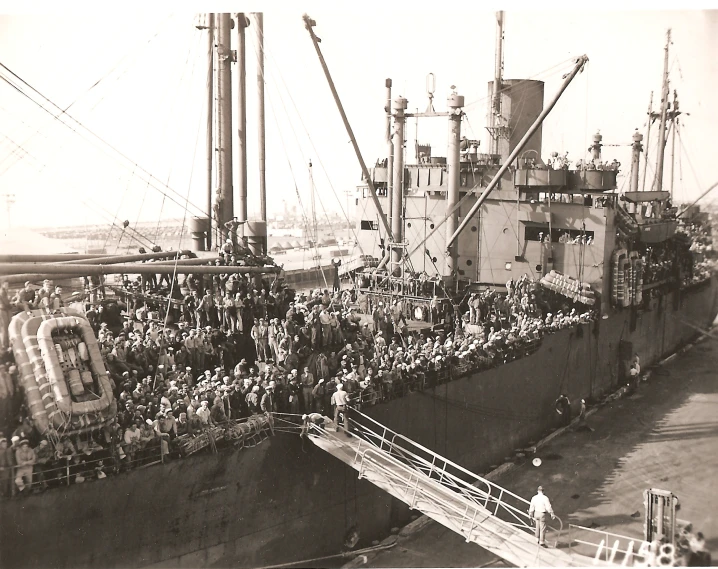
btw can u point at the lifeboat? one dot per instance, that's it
(66, 386)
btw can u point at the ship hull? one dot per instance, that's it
(279, 502)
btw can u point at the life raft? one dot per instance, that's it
(569, 287)
(42, 408)
(638, 265)
(618, 277)
(64, 379)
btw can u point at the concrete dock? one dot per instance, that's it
(663, 436)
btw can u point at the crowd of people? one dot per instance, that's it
(272, 351)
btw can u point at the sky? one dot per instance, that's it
(132, 85)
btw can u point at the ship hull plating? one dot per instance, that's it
(279, 502)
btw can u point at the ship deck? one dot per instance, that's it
(663, 436)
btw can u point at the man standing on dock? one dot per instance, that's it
(540, 506)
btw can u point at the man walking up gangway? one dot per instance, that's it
(482, 512)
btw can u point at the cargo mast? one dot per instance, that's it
(664, 113)
(498, 80)
(241, 25)
(224, 198)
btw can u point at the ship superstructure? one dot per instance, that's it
(472, 220)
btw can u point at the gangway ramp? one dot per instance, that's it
(479, 510)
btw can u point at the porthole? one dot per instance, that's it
(431, 226)
(469, 262)
(473, 228)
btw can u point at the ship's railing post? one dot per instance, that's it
(607, 542)
(464, 517)
(498, 502)
(471, 527)
(416, 487)
(356, 456)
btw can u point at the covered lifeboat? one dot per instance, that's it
(65, 383)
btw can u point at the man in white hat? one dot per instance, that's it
(540, 507)
(340, 398)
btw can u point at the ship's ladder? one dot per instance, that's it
(478, 509)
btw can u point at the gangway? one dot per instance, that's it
(478, 509)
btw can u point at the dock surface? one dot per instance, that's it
(663, 436)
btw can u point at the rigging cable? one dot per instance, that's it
(136, 237)
(103, 78)
(139, 237)
(292, 171)
(184, 223)
(190, 52)
(316, 152)
(156, 183)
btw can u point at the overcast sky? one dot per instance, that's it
(137, 81)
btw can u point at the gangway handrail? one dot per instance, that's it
(441, 488)
(434, 483)
(491, 485)
(642, 546)
(465, 489)
(448, 499)
(468, 487)
(379, 463)
(432, 453)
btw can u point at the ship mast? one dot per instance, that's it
(224, 200)
(498, 80)
(241, 24)
(259, 21)
(674, 117)
(648, 140)
(210, 124)
(390, 148)
(664, 114)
